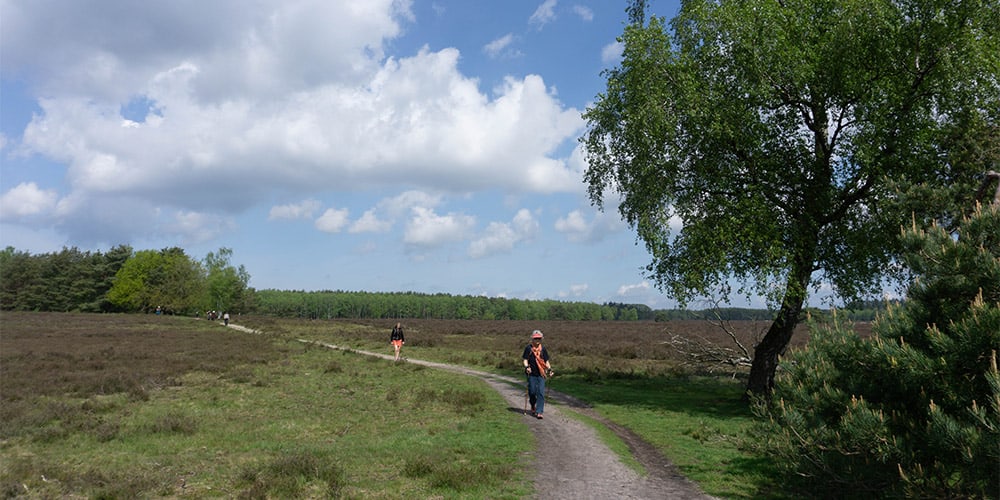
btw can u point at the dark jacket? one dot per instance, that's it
(528, 355)
(397, 334)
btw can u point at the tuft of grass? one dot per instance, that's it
(456, 472)
(174, 422)
(296, 474)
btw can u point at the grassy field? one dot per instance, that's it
(120, 406)
(628, 371)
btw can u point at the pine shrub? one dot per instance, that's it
(913, 411)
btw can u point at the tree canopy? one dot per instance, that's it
(784, 143)
(166, 279)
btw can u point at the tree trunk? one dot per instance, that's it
(774, 343)
(771, 347)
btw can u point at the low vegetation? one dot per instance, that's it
(153, 406)
(125, 406)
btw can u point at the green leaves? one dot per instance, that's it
(773, 142)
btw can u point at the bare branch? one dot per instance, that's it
(711, 355)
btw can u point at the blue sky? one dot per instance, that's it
(382, 145)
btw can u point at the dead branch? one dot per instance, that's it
(701, 352)
(727, 327)
(706, 354)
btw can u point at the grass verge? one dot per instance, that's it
(698, 423)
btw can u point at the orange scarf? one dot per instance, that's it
(537, 351)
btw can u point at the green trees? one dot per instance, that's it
(118, 280)
(178, 284)
(68, 280)
(778, 138)
(227, 286)
(915, 410)
(342, 304)
(165, 278)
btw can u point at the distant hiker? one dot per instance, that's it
(225, 318)
(396, 339)
(537, 367)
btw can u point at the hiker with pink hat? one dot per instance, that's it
(538, 369)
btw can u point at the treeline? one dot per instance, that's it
(342, 304)
(70, 280)
(122, 280)
(353, 304)
(170, 281)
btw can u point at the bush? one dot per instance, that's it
(914, 411)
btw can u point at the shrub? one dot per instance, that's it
(913, 411)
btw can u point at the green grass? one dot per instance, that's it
(304, 423)
(108, 406)
(698, 422)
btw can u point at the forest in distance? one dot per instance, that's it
(129, 281)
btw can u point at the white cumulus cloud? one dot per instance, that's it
(585, 13)
(243, 102)
(501, 237)
(369, 222)
(498, 47)
(27, 199)
(578, 228)
(302, 210)
(332, 220)
(428, 229)
(634, 289)
(611, 54)
(576, 290)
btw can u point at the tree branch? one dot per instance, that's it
(701, 351)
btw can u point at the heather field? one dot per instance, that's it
(594, 349)
(122, 406)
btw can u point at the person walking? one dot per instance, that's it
(225, 318)
(538, 369)
(397, 339)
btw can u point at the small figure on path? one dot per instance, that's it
(538, 368)
(396, 339)
(225, 319)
